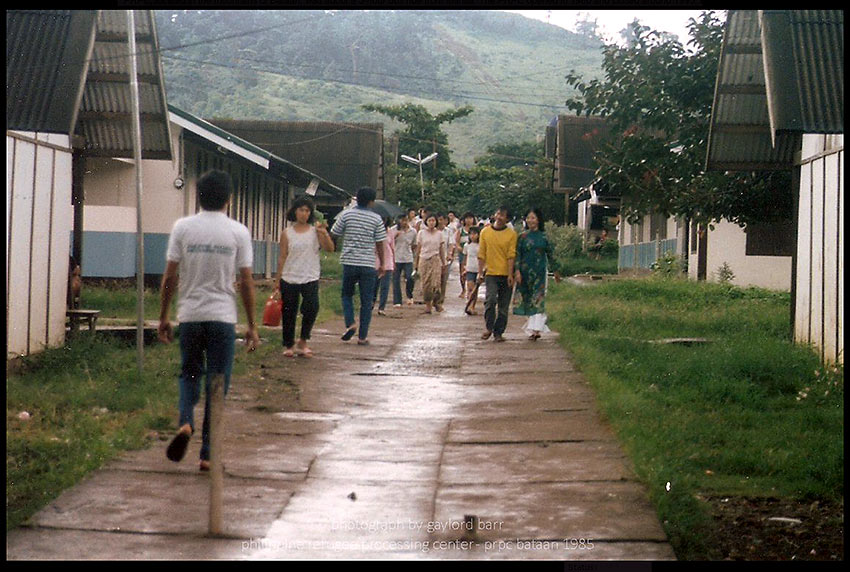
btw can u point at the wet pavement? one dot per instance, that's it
(427, 444)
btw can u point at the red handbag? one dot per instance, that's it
(272, 311)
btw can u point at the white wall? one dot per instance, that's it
(819, 311)
(728, 243)
(38, 223)
(110, 187)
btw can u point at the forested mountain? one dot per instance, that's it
(313, 65)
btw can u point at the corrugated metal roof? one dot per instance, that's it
(67, 71)
(347, 155)
(577, 140)
(774, 83)
(807, 47)
(105, 119)
(46, 59)
(218, 136)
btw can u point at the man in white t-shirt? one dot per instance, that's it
(205, 253)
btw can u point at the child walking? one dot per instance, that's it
(470, 254)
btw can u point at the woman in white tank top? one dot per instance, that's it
(298, 270)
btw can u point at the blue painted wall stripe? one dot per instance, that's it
(113, 254)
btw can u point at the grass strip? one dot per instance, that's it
(747, 413)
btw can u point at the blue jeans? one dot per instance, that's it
(366, 278)
(205, 348)
(405, 268)
(383, 290)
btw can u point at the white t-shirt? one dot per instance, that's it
(405, 241)
(210, 248)
(430, 242)
(470, 250)
(302, 263)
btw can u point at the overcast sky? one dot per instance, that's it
(612, 21)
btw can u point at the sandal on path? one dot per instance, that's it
(289, 353)
(486, 335)
(362, 342)
(177, 448)
(349, 333)
(204, 467)
(306, 352)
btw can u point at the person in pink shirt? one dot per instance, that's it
(383, 289)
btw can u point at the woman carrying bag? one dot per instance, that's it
(298, 270)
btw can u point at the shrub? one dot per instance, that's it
(668, 266)
(567, 242)
(724, 273)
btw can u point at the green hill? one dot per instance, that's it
(312, 65)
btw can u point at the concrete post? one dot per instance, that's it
(216, 467)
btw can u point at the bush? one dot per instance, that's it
(567, 241)
(668, 266)
(609, 249)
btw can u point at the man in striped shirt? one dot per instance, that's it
(363, 234)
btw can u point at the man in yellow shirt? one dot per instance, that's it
(496, 254)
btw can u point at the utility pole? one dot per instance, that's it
(137, 155)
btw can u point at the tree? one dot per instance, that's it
(656, 96)
(423, 134)
(588, 27)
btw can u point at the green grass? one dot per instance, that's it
(587, 265)
(749, 413)
(87, 404)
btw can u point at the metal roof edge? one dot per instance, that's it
(155, 37)
(218, 136)
(244, 148)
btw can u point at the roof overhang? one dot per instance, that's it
(47, 54)
(236, 145)
(105, 116)
(781, 74)
(219, 137)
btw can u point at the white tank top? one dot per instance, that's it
(302, 260)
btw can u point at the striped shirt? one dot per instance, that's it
(360, 228)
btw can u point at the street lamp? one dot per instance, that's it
(420, 161)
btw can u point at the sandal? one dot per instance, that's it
(177, 448)
(289, 353)
(486, 335)
(306, 352)
(362, 342)
(349, 333)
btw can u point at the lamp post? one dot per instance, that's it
(420, 161)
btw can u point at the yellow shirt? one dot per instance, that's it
(496, 247)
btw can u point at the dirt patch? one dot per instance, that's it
(777, 529)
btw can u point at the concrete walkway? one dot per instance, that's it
(427, 444)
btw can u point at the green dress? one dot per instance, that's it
(533, 253)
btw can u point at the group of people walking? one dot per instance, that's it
(418, 246)
(209, 249)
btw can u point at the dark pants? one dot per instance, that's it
(405, 268)
(289, 294)
(498, 295)
(366, 278)
(382, 290)
(205, 348)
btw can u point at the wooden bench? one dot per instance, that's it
(76, 316)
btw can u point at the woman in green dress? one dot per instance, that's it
(533, 254)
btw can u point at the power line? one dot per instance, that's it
(349, 126)
(344, 82)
